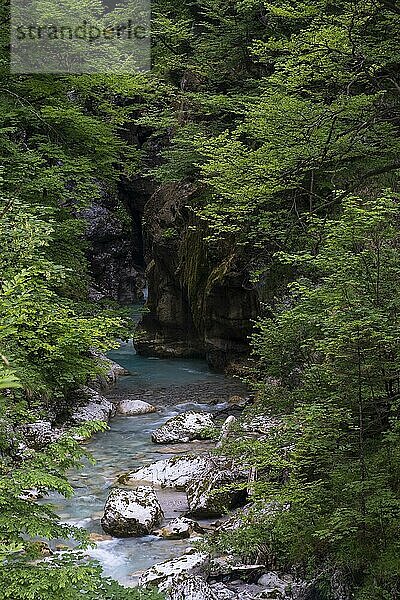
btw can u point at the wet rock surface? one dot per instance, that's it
(184, 428)
(180, 529)
(39, 434)
(176, 472)
(131, 512)
(90, 406)
(131, 408)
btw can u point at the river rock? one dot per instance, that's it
(131, 513)
(162, 575)
(92, 407)
(114, 369)
(174, 472)
(228, 566)
(191, 587)
(203, 494)
(277, 586)
(235, 591)
(184, 428)
(180, 529)
(39, 434)
(99, 537)
(130, 408)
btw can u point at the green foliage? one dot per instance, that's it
(44, 333)
(285, 117)
(60, 150)
(328, 486)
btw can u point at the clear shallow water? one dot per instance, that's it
(126, 446)
(150, 373)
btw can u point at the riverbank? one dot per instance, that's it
(173, 387)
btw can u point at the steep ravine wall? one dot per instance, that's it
(200, 302)
(115, 248)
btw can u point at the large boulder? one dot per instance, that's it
(39, 434)
(163, 574)
(279, 586)
(131, 513)
(204, 496)
(176, 472)
(91, 406)
(200, 477)
(191, 587)
(131, 408)
(180, 529)
(184, 428)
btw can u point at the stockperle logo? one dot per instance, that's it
(80, 36)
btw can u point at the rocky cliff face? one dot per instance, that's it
(114, 251)
(200, 302)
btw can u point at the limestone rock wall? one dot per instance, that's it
(200, 302)
(115, 250)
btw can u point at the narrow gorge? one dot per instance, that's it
(146, 242)
(199, 300)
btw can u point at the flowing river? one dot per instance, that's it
(173, 386)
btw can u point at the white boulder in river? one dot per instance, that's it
(201, 477)
(131, 513)
(176, 472)
(92, 406)
(219, 488)
(180, 529)
(162, 575)
(131, 408)
(185, 427)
